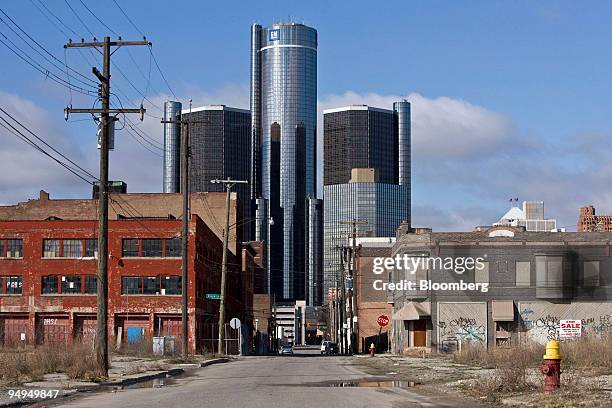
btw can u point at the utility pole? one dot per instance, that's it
(229, 183)
(351, 290)
(185, 155)
(101, 345)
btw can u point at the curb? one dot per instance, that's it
(123, 382)
(215, 361)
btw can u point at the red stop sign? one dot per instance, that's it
(382, 320)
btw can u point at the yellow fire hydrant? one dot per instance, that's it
(372, 349)
(552, 367)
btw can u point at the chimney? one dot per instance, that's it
(43, 196)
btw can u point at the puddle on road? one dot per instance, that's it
(154, 383)
(375, 384)
(366, 383)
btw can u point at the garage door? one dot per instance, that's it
(133, 328)
(170, 326)
(85, 328)
(13, 329)
(52, 329)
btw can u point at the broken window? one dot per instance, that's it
(51, 248)
(91, 285)
(50, 284)
(12, 285)
(72, 248)
(91, 248)
(152, 248)
(14, 248)
(172, 285)
(129, 248)
(151, 285)
(71, 284)
(173, 247)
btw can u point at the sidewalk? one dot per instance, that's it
(124, 371)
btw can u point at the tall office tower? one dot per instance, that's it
(172, 148)
(314, 253)
(283, 135)
(366, 176)
(220, 147)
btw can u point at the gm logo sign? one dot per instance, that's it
(274, 35)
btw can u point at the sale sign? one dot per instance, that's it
(570, 329)
(382, 320)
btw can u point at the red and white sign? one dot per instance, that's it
(570, 329)
(382, 320)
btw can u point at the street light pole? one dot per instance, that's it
(229, 183)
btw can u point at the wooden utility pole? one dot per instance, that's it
(229, 183)
(101, 344)
(185, 155)
(351, 290)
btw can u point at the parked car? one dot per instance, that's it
(329, 347)
(287, 349)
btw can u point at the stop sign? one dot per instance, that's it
(382, 320)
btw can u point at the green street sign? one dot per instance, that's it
(216, 296)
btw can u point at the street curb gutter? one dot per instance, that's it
(124, 382)
(215, 361)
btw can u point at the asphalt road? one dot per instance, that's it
(303, 380)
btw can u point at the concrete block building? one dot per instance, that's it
(534, 280)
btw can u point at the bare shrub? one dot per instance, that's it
(76, 360)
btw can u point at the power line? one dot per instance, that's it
(79, 18)
(34, 64)
(150, 47)
(33, 144)
(47, 144)
(91, 83)
(98, 18)
(47, 12)
(128, 18)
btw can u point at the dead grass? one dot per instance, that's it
(590, 355)
(144, 348)
(24, 365)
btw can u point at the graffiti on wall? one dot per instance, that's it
(540, 320)
(465, 322)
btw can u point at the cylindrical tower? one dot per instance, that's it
(402, 110)
(172, 147)
(255, 182)
(288, 106)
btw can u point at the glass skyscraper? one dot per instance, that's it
(283, 142)
(366, 176)
(219, 143)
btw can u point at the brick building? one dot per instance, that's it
(370, 303)
(533, 281)
(588, 221)
(48, 271)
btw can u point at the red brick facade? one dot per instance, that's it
(63, 317)
(589, 222)
(370, 303)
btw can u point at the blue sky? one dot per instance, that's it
(510, 98)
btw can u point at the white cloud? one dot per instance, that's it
(23, 170)
(471, 157)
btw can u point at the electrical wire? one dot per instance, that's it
(79, 18)
(34, 64)
(48, 145)
(90, 82)
(33, 144)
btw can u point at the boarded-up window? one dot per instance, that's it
(590, 273)
(523, 273)
(481, 275)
